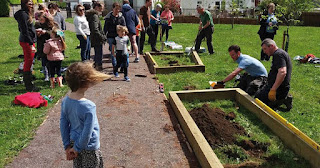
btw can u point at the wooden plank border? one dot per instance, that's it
(203, 150)
(155, 69)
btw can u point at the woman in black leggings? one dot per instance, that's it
(166, 17)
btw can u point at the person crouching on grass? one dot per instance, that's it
(122, 54)
(54, 48)
(79, 125)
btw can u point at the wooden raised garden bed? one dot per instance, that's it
(291, 136)
(156, 69)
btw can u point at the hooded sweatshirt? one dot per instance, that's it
(97, 36)
(130, 17)
(26, 28)
(111, 22)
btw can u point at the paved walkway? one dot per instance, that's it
(138, 127)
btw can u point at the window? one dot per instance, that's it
(217, 4)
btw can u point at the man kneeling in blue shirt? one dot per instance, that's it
(255, 76)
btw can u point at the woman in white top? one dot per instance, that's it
(83, 32)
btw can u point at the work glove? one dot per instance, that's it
(220, 82)
(272, 95)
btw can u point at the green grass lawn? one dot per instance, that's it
(283, 157)
(305, 80)
(18, 124)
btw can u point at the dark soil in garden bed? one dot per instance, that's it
(216, 126)
(220, 129)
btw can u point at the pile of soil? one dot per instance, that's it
(219, 129)
(215, 125)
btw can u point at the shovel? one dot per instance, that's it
(194, 43)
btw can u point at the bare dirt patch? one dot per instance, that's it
(220, 130)
(215, 127)
(190, 87)
(168, 128)
(118, 99)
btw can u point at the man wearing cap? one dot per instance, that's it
(206, 29)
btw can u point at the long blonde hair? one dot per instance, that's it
(55, 32)
(83, 75)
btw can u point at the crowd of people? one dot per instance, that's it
(90, 33)
(80, 134)
(49, 36)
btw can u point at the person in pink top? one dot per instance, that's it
(166, 21)
(54, 48)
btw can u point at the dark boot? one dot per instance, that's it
(288, 102)
(27, 79)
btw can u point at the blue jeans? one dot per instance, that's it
(110, 42)
(98, 55)
(85, 47)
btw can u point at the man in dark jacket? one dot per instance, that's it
(132, 21)
(97, 35)
(27, 39)
(113, 19)
(268, 28)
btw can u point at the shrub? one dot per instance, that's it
(174, 5)
(4, 8)
(62, 5)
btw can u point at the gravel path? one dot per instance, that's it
(138, 127)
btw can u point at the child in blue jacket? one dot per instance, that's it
(79, 123)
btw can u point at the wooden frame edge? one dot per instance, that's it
(288, 137)
(155, 69)
(291, 139)
(206, 157)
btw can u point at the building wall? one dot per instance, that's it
(189, 6)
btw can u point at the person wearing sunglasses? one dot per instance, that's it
(83, 32)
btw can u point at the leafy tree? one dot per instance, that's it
(234, 10)
(289, 10)
(174, 5)
(4, 8)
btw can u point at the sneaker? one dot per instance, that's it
(127, 79)
(46, 79)
(116, 75)
(98, 67)
(136, 60)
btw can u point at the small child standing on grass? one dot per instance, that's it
(54, 48)
(79, 125)
(121, 46)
